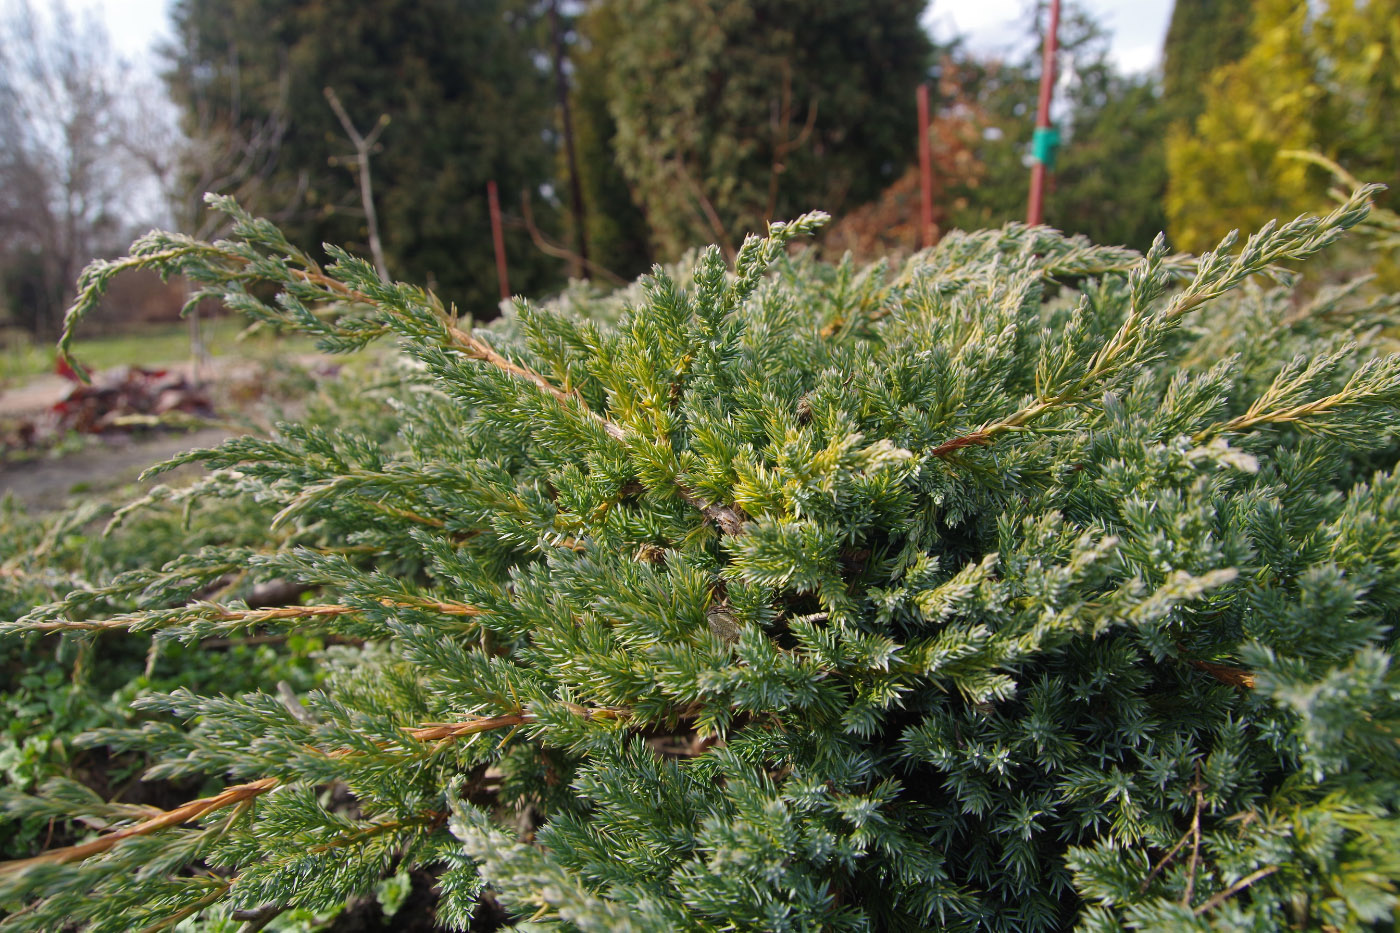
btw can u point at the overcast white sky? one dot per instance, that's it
(134, 25)
(1137, 26)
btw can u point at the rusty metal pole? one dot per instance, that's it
(1046, 139)
(925, 172)
(495, 204)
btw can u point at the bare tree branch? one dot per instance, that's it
(67, 190)
(707, 208)
(559, 252)
(364, 145)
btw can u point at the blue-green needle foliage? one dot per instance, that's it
(1030, 586)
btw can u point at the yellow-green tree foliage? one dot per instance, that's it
(1324, 80)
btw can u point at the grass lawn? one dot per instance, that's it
(149, 346)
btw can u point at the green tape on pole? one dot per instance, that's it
(1045, 144)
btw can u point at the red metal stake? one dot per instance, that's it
(1035, 211)
(495, 203)
(925, 171)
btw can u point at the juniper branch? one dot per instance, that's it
(1374, 386)
(225, 618)
(240, 794)
(222, 263)
(1141, 333)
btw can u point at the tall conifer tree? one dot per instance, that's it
(616, 225)
(1203, 35)
(729, 114)
(468, 96)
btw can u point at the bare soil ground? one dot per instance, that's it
(103, 468)
(108, 464)
(39, 393)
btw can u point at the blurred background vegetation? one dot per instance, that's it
(622, 132)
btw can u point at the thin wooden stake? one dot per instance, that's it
(1035, 211)
(925, 172)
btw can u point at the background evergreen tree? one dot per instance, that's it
(731, 113)
(1110, 176)
(1203, 35)
(466, 88)
(617, 227)
(1225, 171)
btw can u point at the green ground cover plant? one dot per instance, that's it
(1032, 585)
(53, 690)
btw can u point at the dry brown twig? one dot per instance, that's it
(783, 143)
(1192, 833)
(364, 146)
(707, 208)
(240, 795)
(543, 244)
(250, 617)
(184, 813)
(1198, 790)
(1234, 889)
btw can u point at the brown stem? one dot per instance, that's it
(257, 616)
(1162, 862)
(414, 517)
(215, 643)
(1235, 888)
(477, 349)
(1196, 787)
(541, 242)
(1233, 676)
(730, 520)
(170, 921)
(978, 438)
(707, 208)
(432, 819)
(258, 918)
(242, 793)
(181, 814)
(437, 731)
(333, 285)
(242, 616)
